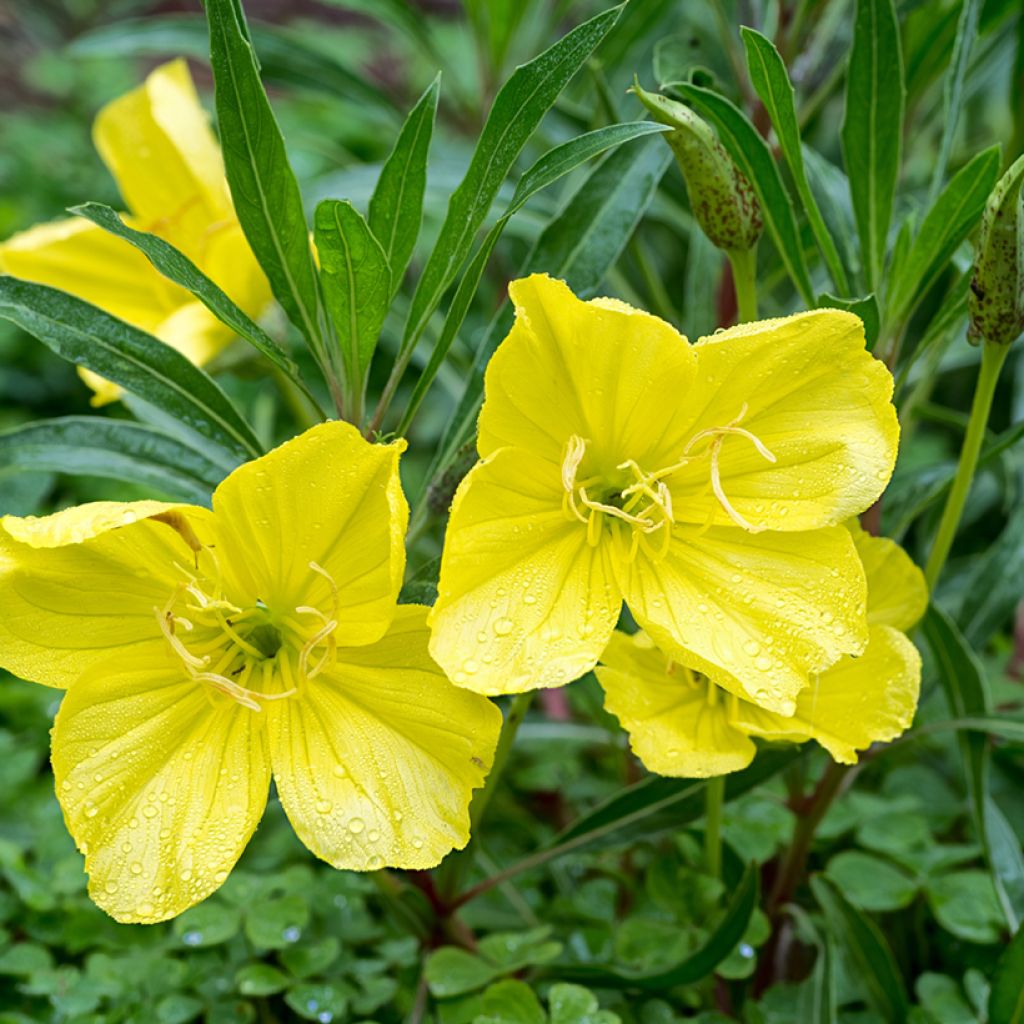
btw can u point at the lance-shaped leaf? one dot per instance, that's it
(771, 80)
(755, 159)
(138, 362)
(518, 108)
(873, 127)
(118, 449)
(396, 207)
(263, 186)
(177, 267)
(356, 281)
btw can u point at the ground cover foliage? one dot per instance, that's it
(871, 135)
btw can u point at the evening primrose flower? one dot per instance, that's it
(701, 483)
(682, 724)
(157, 143)
(205, 651)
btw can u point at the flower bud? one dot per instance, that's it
(721, 197)
(996, 299)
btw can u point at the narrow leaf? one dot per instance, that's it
(877, 975)
(396, 207)
(873, 126)
(1006, 996)
(771, 81)
(518, 108)
(963, 681)
(755, 159)
(995, 585)
(177, 267)
(866, 308)
(947, 224)
(264, 189)
(356, 282)
(118, 449)
(699, 964)
(138, 362)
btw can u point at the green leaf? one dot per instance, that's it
(754, 158)
(396, 207)
(866, 308)
(995, 584)
(277, 923)
(1006, 996)
(138, 362)
(573, 1004)
(209, 924)
(873, 127)
(356, 282)
(579, 246)
(263, 187)
(697, 965)
(877, 975)
(518, 108)
(771, 81)
(869, 882)
(453, 972)
(177, 267)
(947, 224)
(318, 1002)
(963, 680)
(511, 1002)
(260, 980)
(953, 87)
(555, 164)
(118, 449)
(965, 904)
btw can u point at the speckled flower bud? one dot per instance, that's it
(996, 301)
(721, 197)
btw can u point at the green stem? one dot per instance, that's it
(714, 793)
(992, 359)
(516, 713)
(744, 279)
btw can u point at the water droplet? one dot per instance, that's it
(291, 934)
(324, 807)
(110, 887)
(186, 875)
(502, 627)
(135, 867)
(763, 663)
(192, 938)
(751, 647)
(356, 825)
(150, 811)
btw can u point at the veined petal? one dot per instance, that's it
(757, 614)
(162, 782)
(82, 584)
(857, 702)
(524, 601)
(677, 726)
(600, 370)
(808, 392)
(81, 258)
(377, 758)
(897, 592)
(320, 522)
(156, 141)
(195, 332)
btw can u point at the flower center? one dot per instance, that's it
(636, 504)
(251, 654)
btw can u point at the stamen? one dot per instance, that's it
(165, 620)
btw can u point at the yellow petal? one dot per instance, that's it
(677, 725)
(600, 370)
(758, 614)
(156, 141)
(897, 592)
(84, 583)
(230, 263)
(326, 499)
(81, 258)
(807, 390)
(523, 601)
(377, 758)
(162, 782)
(857, 702)
(195, 332)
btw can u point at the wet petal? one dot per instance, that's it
(524, 601)
(377, 758)
(162, 782)
(897, 592)
(674, 727)
(758, 614)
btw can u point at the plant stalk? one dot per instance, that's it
(714, 794)
(744, 277)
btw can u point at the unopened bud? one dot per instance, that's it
(996, 301)
(721, 197)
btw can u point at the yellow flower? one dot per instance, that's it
(157, 143)
(204, 651)
(682, 724)
(701, 483)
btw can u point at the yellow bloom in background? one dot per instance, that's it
(682, 724)
(157, 143)
(702, 484)
(205, 651)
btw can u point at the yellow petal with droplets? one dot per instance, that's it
(377, 758)
(897, 592)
